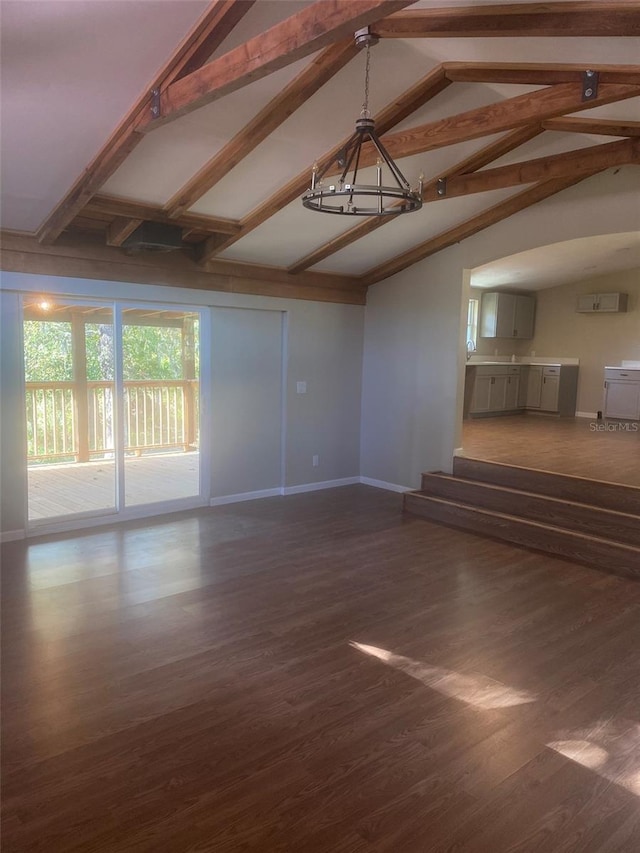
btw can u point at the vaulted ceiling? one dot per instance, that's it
(492, 98)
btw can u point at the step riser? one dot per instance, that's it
(606, 495)
(585, 519)
(610, 557)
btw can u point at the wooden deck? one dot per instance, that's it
(576, 446)
(90, 486)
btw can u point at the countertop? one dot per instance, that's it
(518, 364)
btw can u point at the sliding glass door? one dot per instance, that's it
(69, 400)
(112, 408)
(160, 357)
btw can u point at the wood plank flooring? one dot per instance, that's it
(315, 674)
(607, 451)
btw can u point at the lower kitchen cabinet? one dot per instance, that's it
(549, 393)
(622, 394)
(511, 388)
(495, 390)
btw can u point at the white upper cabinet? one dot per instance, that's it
(602, 303)
(507, 315)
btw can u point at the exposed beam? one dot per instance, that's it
(597, 126)
(395, 112)
(213, 27)
(566, 165)
(483, 121)
(308, 30)
(321, 69)
(491, 216)
(106, 205)
(120, 229)
(79, 256)
(600, 19)
(536, 73)
(481, 158)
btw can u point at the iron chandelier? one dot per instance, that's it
(347, 196)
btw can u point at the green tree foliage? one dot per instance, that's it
(150, 352)
(47, 351)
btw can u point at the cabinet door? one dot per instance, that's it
(622, 399)
(524, 316)
(587, 302)
(481, 392)
(549, 394)
(511, 396)
(498, 393)
(608, 302)
(506, 315)
(523, 387)
(534, 388)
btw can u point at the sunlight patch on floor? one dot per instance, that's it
(611, 748)
(473, 688)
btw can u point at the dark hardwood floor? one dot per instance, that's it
(317, 674)
(597, 450)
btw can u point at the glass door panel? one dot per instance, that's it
(161, 390)
(69, 407)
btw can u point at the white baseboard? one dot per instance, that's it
(380, 484)
(324, 484)
(12, 535)
(591, 415)
(245, 496)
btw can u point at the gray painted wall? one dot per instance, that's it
(414, 357)
(323, 347)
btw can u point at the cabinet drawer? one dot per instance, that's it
(491, 370)
(623, 373)
(551, 371)
(513, 371)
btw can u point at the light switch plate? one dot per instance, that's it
(301, 387)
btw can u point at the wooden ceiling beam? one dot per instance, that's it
(538, 73)
(472, 226)
(598, 19)
(566, 165)
(109, 206)
(596, 126)
(412, 99)
(481, 158)
(208, 34)
(86, 256)
(321, 69)
(304, 32)
(515, 112)
(120, 229)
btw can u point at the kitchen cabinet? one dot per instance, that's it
(511, 393)
(502, 388)
(622, 394)
(602, 303)
(549, 393)
(534, 387)
(543, 388)
(495, 389)
(507, 315)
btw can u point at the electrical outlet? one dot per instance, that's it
(316, 461)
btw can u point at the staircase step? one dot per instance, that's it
(613, 496)
(604, 554)
(585, 518)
